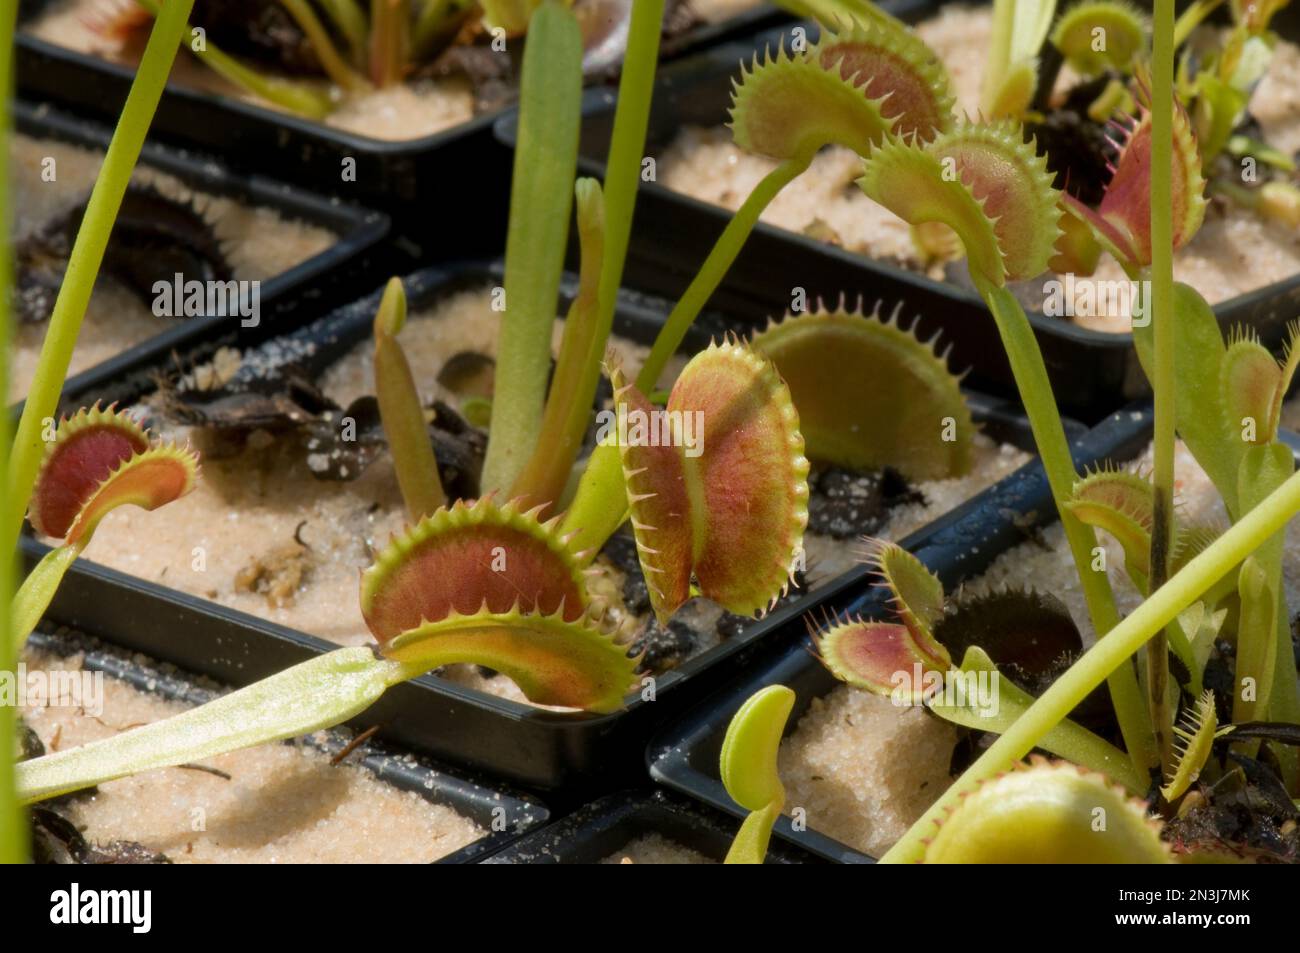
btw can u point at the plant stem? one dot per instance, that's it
(622, 178)
(389, 38)
(600, 505)
(401, 412)
(564, 422)
(1049, 436)
(1191, 18)
(715, 267)
(84, 262)
(350, 20)
(13, 846)
(626, 151)
(1162, 382)
(436, 18)
(1110, 653)
(541, 196)
(330, 59)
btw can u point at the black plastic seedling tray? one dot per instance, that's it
(505, 814)
(959, 547)
(344, 270)
(391, 175)
(604, 827)
(1093, 372)
(581, 754)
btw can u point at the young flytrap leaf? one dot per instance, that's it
(401, 411)
(748, 767)
(870, 394)
(986, 184)
(1047, 813)
(732, 506)
(1121, 28)
(857, 86)
(1122, 222)
(908, 664)
(99, 459)
(1250, 378)
(1194, 740)
(87, 447)
(881, 658)
(1121, 503)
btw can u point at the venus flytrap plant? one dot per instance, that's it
(384, 41)
(535, 436)
(21, 460)
(859, 85)
(98, 460)
(83, 266)
(356, 46)
(991, 189)
(1231, 426)
(1162, 607)
(437, 595)
(492, 583)
(1226, 411)
(595, 510)
(884, 658)
(1264, 492)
